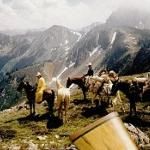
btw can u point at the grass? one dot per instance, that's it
(18, 130)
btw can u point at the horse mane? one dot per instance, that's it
(58, 84)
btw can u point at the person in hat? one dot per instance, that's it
(88, 74)
(41, 86)
(90, 70)
(113, 76)
(133, 96)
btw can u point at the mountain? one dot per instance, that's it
(52, 44)
(119, 48)
(130, 51)
(131, 17)
(119, 39)
(89, 27)
(120, 44)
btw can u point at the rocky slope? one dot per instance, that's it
(52, 44)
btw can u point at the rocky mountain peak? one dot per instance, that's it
(131, 17)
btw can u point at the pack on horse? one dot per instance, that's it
(48, 95)
(80, 81)
(101, 86)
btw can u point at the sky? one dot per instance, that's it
(35, 14)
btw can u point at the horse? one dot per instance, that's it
(101, 86)
(117, 101)
(123, 86)
(80, 81)
(130, 89)
(48, 95)
(63, 99)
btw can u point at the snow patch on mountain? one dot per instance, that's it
(59, 75)
(113, 38)
(67, 48)
(94, 51)
(66, 42)
(72, 64)
(77, 33)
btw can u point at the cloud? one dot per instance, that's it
(29, 14)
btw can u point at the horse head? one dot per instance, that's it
(68, 82)
(122, 85)
(21, 86)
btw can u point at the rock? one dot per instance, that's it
(14, 147)
(71, 147)
(145, 147)
(32, 146)
(41, 137)
(148, 108)
(52, 142)
(57, 136)
(1, 139)
(139, 137)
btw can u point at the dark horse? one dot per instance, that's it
(78, 81)
(122, 86)
(48, 95)
(131, 90)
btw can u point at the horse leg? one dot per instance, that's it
(50, 101)
(60, 112)
(50, 106)
(84, 94)
(122, 108)
(114, 103)
(30, 105)
(65, 109)
(66, 105)
(93, 98)
(33, 106)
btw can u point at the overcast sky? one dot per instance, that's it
(30, 14)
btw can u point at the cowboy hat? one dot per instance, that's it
(38, 74)
(90, 64)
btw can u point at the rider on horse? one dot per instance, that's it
(90, 70)
(41, 86)
(88, 74)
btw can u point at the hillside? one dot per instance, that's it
(20, 131)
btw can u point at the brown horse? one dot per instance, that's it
(49, 96)
(80, 82)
